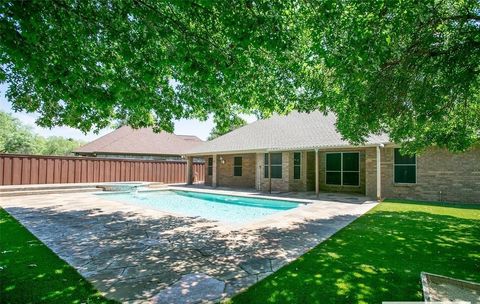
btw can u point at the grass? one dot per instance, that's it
(31, 273)
(379, 257)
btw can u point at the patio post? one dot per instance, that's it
(269, 173)
(379, 174)
(214, 171)
(189, 170)
(316, 173)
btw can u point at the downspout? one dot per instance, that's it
(317, 192)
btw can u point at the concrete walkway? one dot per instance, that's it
(138, 255)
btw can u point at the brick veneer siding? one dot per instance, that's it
(441, 176)
(371, 172)
(225, 176)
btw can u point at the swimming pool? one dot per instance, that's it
(224, 208)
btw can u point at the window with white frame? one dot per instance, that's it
(405, 168)
(342, 168)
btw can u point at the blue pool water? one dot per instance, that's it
(224, 208)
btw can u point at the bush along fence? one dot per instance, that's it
(36, 169)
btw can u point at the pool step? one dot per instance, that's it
(47, 191)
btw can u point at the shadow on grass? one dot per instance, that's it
(379, 257)
(31, 273)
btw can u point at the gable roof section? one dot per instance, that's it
(293, 131)
(126, 140)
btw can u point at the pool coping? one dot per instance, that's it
(305, 210)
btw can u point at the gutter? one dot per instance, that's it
(266, 150)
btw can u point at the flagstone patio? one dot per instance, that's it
(137, 255)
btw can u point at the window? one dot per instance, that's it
(343, 168)
(297, 160)
(405, 168)
(276, 166)
(210, 166)
(237, 166)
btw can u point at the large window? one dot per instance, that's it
(297, 160)
(210, 166)
(343, 168)
(276, 166)
(237, 166)
(405, 168)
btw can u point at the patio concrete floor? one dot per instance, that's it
(138, 255)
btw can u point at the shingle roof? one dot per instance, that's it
(293, 131)
(126, 140)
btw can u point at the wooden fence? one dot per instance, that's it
(35, 169)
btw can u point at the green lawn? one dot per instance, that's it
(31, 273)
(379, 257)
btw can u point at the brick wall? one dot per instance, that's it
(441, 176)
(225, 176)
(371, 172)
(225, 171)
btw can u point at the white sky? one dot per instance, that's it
(183, 126)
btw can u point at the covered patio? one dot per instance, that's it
(333, 170)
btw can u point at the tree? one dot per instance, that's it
(57, 145)
(409, 68)
(224, 127)
(17, 138)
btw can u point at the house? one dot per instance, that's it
(304, 152)
(126, 142)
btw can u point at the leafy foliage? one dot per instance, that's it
(18, 138)
(409, 68)
(225, 126)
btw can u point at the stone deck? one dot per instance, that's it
(138, 255)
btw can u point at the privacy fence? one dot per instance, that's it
(35, 169)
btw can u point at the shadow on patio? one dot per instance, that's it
(131, 256)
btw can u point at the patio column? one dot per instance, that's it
(269, 173)
(189, 170)
(214, 171)
(379, 174)
(316, 173)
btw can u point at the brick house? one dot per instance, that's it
(304, 152)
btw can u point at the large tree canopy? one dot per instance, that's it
(406, 67)
(226, 125)
(18, 138)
